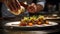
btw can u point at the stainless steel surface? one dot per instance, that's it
(26, 32)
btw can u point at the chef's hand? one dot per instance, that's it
(33, 8)
(14, 6)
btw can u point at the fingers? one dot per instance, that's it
(32, 8)
(8, 4)
(17, 4)
(12, 4)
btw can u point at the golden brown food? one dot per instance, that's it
(47, 22)
(30, 24)
(30, 21)
(39, 23)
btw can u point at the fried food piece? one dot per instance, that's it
(39, 23)
(30, 24)
(41, 17)
(22, 24)
(47, 22)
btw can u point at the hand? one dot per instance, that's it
(14, 6)
(32, 8)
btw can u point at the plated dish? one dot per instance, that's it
(32, 22)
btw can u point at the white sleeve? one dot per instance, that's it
(41, 3)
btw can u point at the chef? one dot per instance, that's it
(38, 5)
(33, 7)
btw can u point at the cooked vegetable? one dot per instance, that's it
(30, 21)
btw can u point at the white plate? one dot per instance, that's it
(17, 22)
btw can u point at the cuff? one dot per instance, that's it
(41, 3)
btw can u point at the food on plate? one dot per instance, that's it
(33, 20)
(39, 23)
(23, 23)
(47, 22)
(30, 24)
